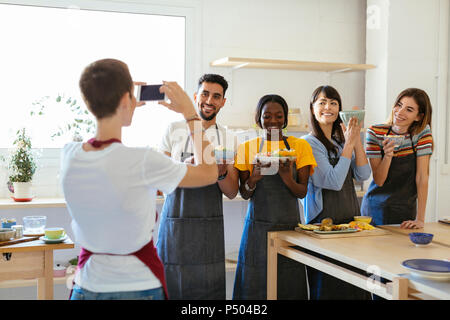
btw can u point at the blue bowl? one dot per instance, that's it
(419, 238)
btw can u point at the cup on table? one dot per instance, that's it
(54, 233)
(19, 230)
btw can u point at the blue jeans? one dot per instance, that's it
(79, 293)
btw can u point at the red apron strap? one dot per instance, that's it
(82, 259)
(147, 254)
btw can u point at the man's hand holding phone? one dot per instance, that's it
(179, 100)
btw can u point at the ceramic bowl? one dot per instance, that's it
(347, 115)
(59, 271)
(397, 139)
(420, 238)
(6, 234)
(366, 219)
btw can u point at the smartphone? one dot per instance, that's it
(149, 93)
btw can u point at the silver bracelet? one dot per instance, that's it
(247, 187)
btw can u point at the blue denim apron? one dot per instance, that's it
(341, 206)
(396, 200)
(191, 242)
(272, 207)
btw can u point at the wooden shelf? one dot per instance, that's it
(35, 203)
(254, 63)
(61, 203)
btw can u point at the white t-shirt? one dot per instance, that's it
(111, 197)
(174, 140)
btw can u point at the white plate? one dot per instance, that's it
(431, 275)
(274, 164)
(349, 230)
(46, 240)
(265, 159)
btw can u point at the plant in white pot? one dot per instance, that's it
(22, 166)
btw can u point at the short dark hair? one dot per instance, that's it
(213, 78)
(336, 132)
(271, 98)
(103, 83)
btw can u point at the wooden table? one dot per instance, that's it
(441, 231)
(31, 260)
(379, 255)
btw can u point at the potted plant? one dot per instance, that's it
(22, 166)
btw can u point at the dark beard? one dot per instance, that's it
(207, 118)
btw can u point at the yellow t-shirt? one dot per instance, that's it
(246, 152)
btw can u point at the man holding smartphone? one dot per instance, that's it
(191, 240)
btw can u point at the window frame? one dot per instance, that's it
(191, 10)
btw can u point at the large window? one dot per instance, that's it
(44, 50)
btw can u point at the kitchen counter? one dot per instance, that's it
(381, 255)
(440, 231)
(31, 260)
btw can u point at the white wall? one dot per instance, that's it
(332, 31)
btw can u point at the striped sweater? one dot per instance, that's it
(423, 142)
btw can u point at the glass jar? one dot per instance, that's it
(34, 224)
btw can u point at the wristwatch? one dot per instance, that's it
(247, 187)
(223, 176)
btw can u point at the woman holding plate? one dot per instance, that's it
(399, 190)
(340, 157)
(273, 189)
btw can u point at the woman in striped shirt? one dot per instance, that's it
(399, 190)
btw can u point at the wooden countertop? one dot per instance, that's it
(385, 252)
(37, 245)
(440, 231)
